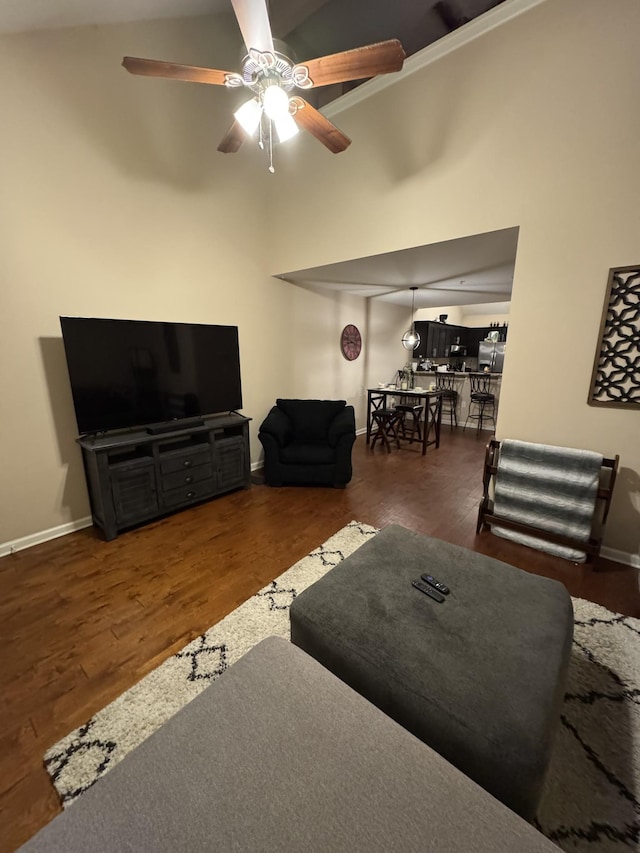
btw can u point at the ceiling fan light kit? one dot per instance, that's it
(271, 76)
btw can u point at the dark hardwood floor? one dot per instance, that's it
(82, 619)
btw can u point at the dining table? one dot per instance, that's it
(432, 402)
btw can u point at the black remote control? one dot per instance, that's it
(441, 587)
(428, 590)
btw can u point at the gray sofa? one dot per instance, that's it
(279, 756)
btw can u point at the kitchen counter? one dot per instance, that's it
(459, 374)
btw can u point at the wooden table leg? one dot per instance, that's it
(425, 430)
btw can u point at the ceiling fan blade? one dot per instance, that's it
(308, 118)
(190, 73)
(369, 61)
(253, 20)
(232, 139)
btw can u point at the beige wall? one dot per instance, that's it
(533, 125)
(115, 203)
(454, 314)
(475, 320)
(317, 367)
(466, 315)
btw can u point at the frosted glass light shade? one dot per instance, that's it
(285, 127)
(248, 116)
(410, 339)
(276, 103)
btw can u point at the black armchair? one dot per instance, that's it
(308, 442)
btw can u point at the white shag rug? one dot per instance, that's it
(592, 797)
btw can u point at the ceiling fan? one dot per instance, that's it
(271, 76)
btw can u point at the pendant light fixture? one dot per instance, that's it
(411, 338)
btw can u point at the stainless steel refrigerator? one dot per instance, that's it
(491, 355)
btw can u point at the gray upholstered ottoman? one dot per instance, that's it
(279, 756)
(479, 677)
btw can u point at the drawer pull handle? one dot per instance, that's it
(187, 463)
(188, 479)
(191, 494)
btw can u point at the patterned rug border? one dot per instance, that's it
(592, 796)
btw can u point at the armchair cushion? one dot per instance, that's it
(278, 425)
(310, 419)
(307, 453)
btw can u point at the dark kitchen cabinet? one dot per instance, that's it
(436, 342)
(457, 335)
(422, 328)
(474, 337)
(436, 338)
(480, 334)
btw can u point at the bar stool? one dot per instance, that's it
(482, 398)
(445, 382)
(386, 422)
(405, 409)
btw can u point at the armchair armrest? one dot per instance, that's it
(343, 424)
(277, 425)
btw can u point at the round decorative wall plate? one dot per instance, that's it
(350, 342)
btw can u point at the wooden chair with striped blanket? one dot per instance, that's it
(555, 499)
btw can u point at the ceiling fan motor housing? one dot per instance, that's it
(263, 69)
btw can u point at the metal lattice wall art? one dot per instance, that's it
(616, 371)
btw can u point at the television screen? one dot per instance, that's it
(127, 373)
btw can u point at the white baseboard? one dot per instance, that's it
(61, 530)
(623, 557)
(43, 536)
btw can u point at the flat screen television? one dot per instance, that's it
(131, 373)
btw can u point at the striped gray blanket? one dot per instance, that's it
(550, 488)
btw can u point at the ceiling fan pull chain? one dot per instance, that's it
(271, 169)
(261, 136)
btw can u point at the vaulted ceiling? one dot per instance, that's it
(315, 28)
(311, 28)
(470, 270)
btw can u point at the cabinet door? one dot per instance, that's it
(230, 462)
(461, 332)
(473, 341)
(435, 340)
(431, 340)
(422, 328)
(450, 335)
(442, 341)
(133, 489)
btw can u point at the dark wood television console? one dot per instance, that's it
(136, 476)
